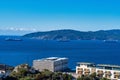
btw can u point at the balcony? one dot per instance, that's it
(86, 70)
(108, 73)
(116, 74)
(79, 72)
(79, 69)
(100, 72)
(93, 70)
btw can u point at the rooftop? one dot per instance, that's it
(51, 59)
(99, 65)
(86, 63)
(108, 65)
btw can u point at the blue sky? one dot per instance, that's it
(18, 17)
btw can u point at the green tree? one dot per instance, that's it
(104, 79)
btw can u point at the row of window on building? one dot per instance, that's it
(103, 70)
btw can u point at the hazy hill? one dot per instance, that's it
(76, 35)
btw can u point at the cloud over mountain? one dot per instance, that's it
(16, 30)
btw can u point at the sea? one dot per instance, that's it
(96, 51)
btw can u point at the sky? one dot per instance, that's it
(18, 17)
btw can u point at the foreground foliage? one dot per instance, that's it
(91, 77)
(24, 72)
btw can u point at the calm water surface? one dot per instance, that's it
(17, 52)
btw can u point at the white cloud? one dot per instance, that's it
(18, 29)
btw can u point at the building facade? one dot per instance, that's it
(53, 64)
(103, 70)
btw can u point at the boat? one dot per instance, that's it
(63, 40)
(110, 41)
(13, 39)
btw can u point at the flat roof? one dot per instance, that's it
(87, 63)
(108, 65)
(99, 65)
(51, 59)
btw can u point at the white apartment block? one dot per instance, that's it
(53, 64)
(109, 71)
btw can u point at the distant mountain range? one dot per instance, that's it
(76, 35)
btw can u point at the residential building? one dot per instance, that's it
(102, 70)
(53, 64)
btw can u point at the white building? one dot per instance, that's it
(53, 64)
(103, 70)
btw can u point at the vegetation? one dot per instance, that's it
(23, 72)
(91, 77)
(76, 35)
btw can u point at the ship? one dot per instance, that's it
(63, 40)
(110, 41)
(13, 39)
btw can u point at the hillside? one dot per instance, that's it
(76, 35)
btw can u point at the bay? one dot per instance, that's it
(96, 51)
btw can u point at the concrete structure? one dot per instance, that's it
(103, 70)
(53, 64)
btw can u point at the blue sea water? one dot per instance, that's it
(18, 52)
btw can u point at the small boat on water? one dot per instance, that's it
(13, 39)
(110, 41)
(63, 40)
